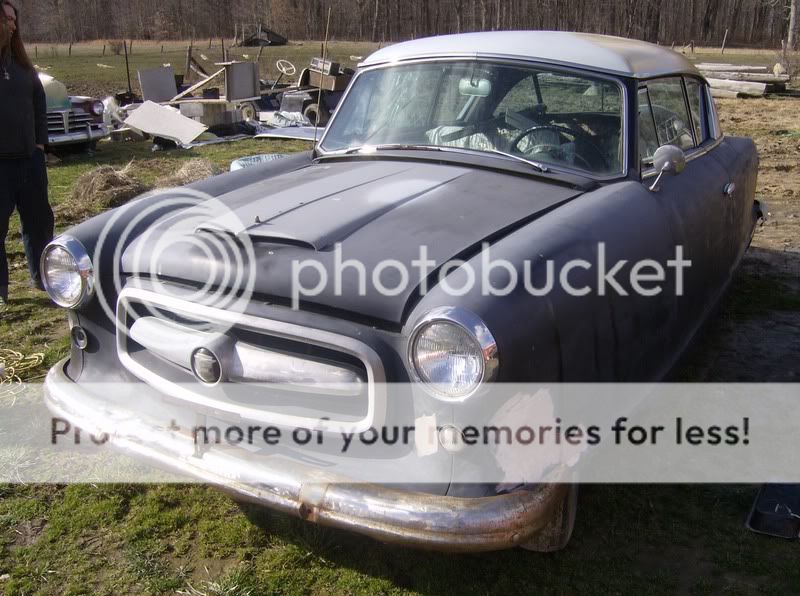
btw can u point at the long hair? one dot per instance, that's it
(16, 47)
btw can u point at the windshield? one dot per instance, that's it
(547, 116)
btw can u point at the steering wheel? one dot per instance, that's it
(567, 132)
(285, 67)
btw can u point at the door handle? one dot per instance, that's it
(729, 189)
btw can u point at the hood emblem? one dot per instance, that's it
(206, 366)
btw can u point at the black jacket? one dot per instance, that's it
(23, 110)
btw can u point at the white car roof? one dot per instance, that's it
(603, 53)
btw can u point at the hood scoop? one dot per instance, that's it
(258, 236)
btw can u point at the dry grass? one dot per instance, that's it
(99, 189)
(191, 171)
(107, 186)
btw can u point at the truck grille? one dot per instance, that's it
(68, 121)
(270, 372)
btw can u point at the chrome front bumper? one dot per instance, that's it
(83, 136)
(386, 514)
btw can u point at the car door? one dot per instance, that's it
(692, 202)
(739, 160)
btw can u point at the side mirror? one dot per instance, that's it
(668, 159)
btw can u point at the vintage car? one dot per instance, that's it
(72, 119)
(537, 147)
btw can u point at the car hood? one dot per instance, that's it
(378, 213)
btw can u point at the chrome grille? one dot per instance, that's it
(68, 121)
(162, 363)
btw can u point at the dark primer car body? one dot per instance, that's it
(547, 146)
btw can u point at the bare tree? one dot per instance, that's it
(753, 22)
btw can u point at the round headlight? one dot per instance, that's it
(452, 353)
(98, 108)
(67, 272)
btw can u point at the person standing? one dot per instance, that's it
(23, 135)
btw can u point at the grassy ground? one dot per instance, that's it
(192, 539)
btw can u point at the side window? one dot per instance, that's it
(669, 111)
(694, 91)
(648, 139)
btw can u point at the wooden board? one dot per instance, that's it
(756, 77)
(742, 87)
(729, 68)
(197, 85)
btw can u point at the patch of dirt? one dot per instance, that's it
(774, 125)
(27, 533)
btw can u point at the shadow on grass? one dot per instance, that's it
(662, 538)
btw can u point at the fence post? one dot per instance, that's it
(724, 39)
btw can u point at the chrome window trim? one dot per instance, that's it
(515, 61)
(696, 153)
(376, 380)
(699, 150)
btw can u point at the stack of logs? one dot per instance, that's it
(729, 80)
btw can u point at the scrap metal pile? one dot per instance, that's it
(231, 103)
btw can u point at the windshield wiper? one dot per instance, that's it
(367, 149)
(539, 166)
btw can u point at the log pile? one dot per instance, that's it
(730, 80)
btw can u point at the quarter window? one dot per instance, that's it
(668, 106)
(648, 139)
(694, 91)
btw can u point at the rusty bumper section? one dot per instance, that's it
(384, 513)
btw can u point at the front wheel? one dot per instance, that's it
(557, 531)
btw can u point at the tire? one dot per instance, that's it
(249, 111)
(556, 533)
(316, 114)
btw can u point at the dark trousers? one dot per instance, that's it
(23, 185)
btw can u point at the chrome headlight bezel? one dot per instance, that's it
(478, 332)
(83, 268)
(98, 108)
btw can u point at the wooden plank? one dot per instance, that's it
(729, 68)
(755, 77)
(742, 87)
(197, 86)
